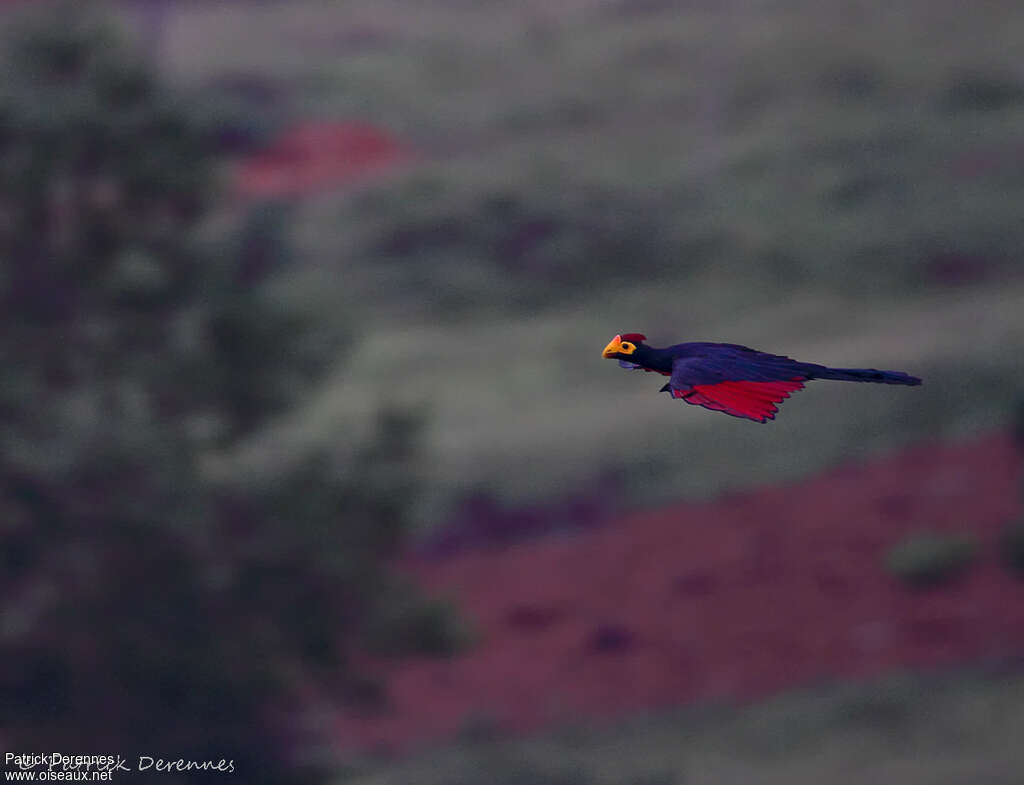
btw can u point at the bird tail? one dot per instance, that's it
(864, 375)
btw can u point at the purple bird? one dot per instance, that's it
(727, 377)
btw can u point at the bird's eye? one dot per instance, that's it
(627, 346)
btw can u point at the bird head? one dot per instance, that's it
(622, 346)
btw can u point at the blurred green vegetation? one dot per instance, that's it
(924, 729)
(146, 607)
(929, 559)
(836, 182)
(208, 434)
(1011, 546)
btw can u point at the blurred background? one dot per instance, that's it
(309, 459)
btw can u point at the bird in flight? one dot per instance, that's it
(727, 377)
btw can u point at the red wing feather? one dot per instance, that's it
(752, 400)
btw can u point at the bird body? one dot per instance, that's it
(734, 379)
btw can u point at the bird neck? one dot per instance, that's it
(649, 357)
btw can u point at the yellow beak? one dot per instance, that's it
(613, 348)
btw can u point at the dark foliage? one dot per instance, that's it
(525, 248)
(1011, 546)
(147, 609)
(928, 559)
(980, 92)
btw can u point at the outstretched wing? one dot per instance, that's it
(735, 380)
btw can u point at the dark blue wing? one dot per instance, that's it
(714, 363)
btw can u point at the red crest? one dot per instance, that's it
(634, 337)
